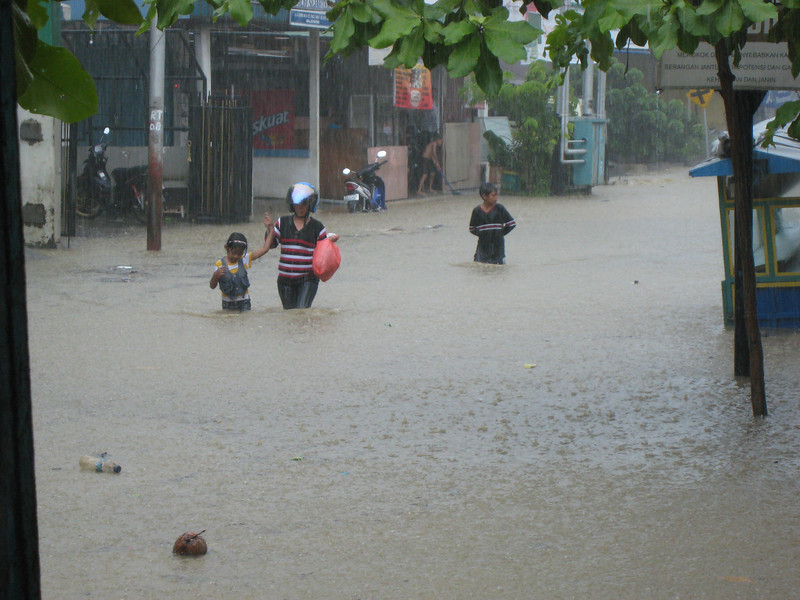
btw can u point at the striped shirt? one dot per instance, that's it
(297, 247)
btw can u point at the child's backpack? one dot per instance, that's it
(234, 284)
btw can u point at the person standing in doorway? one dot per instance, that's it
(431, 164)
(490, 222)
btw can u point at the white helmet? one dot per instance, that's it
(302, 192)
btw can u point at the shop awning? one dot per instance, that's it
(783, 157)
(774, 160)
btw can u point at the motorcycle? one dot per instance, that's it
(93, 189)
(130, 190)
(129, 194)
(364, 190)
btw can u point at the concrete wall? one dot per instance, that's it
(272, 176)
(40, 178)
(462, 155)
(175, 165)
(395, 172)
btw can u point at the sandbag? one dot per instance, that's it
(327, 259)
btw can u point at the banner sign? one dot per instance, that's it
(412, 88)
(273, 119)
(313, 19)
(764, 66)
(310, 14)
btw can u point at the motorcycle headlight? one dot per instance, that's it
(98, 149)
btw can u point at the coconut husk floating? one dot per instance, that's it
(190, 544)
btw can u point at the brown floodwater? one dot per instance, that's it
(564, 426)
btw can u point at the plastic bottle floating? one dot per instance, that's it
(190, 544)
(99, 464)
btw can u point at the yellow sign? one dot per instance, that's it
(700, 97)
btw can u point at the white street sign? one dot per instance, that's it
(764, 66)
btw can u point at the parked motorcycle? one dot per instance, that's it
(94, 192)
(130, 190)
(364, 190)
(93, 186)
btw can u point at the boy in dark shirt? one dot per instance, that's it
(491, 222)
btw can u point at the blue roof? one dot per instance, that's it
(782, 157)
(776, 162)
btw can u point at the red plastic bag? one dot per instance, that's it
(327, 259)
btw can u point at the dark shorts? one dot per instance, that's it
(428, 167)
(239, 305)
(492, 258)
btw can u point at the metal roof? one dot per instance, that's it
(782, 157)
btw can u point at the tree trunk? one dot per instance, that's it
(740, 106)
(19, 537)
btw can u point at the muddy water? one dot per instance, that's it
(390, 442)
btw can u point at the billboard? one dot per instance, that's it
(273, 119)
(764, 66)
(412, 88)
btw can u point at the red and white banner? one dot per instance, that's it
(273, 119)
(412, 88)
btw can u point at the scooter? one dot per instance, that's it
(93, 189)
(130, 190)
(364, 190)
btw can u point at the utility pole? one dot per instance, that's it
(155, 209)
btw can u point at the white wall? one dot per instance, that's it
(40, 178)
(272, 176)
(175, 159)
(462, 154)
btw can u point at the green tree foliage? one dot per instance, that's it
(643, 128)
(529, 107)
(603, 25)
(465, 36)
(50, 80)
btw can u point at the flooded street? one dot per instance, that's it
(564, 426)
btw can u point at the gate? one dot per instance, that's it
(221, 155)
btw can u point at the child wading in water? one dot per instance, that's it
(230, 272)
(490, 222)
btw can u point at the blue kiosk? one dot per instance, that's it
(776, 230)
